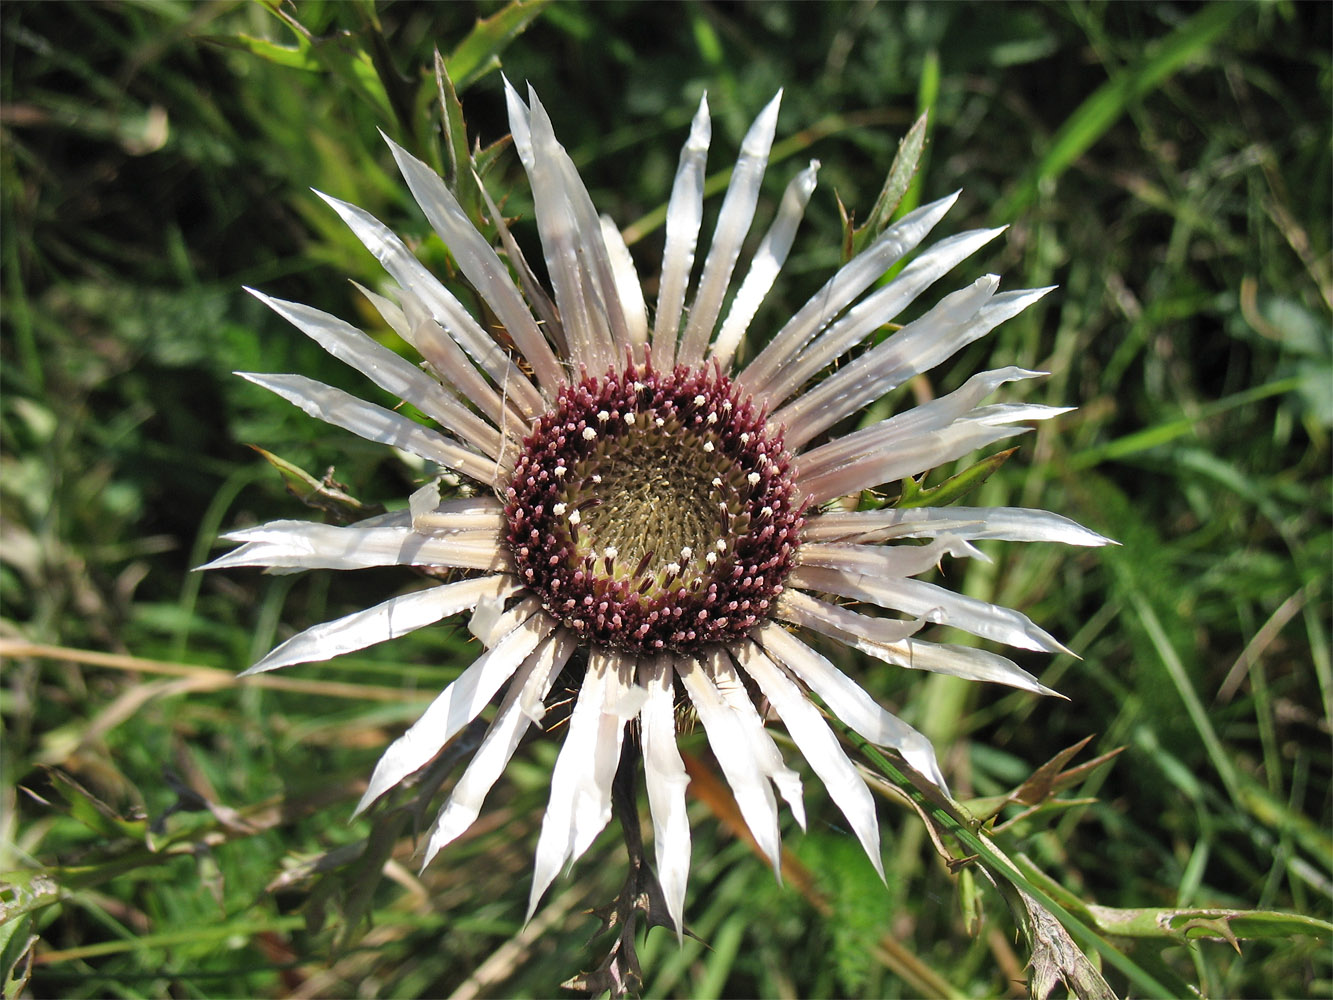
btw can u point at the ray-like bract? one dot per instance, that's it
(684, 217)
(665, 777)
(841, 290)
(459, 703)
(819, 747)
(528, 689)
(628, 520)
(765, 266)
(733, 222)
(308, 545)
(395, 617)
(480, 263)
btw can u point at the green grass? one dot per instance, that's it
(169, 832)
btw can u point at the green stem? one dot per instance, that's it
(950, 817)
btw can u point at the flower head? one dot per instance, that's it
(668, 524)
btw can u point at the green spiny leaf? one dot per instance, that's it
(484, 159)
(16, 954)
(954, 488)
(92, 812)
(1213, 924)
(324, 494)
(479, 53)
(366, 873)
(298, 56)
(903, 169)
(1014, 882)
(455, 138)
(969, 901)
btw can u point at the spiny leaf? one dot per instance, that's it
(1213, 924)
(91, 811)
(479, 53)
(302, 869)
(325, 494)
(901, 172)
(296, 56)
(1043, 783)
(16, 956)
(1057, 959)
(348, 878)
(848, 222)
(485, 157)
(1015, 883)
(954, 488)
(367, 872)
(455, 132)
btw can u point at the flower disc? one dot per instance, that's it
(654, 511)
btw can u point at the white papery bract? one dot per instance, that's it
(641, 514)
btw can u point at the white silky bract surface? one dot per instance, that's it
(485, 398)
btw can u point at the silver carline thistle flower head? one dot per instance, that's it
(641, 501)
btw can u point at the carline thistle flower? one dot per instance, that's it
(648, 512)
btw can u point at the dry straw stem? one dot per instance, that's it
(202, 678)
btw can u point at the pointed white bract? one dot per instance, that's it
(1009, 524)
(848, 701)
(766, 753)
(396, 616)
(818, 745)
(664, 774)
(390, 372)
(375, 423)
(767, 263)
(443, 307)
(527, 691)
(493, 403)
(479, 262)
(736, 757)
(459, 703)
(685, 213)
(841, 290)
(854, 576)
(627, 287)
(873, 312)
(307, 545)
(733, 222)
(580, 803)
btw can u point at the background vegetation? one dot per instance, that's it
(171, 833)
